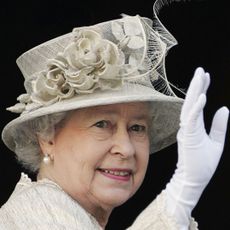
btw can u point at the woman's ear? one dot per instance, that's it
(46, 146)
(47, 149)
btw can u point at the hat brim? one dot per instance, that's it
(165, 112)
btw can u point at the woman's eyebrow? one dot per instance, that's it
(111, 112)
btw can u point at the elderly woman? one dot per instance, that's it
(97, 103)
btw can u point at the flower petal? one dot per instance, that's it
(117, 30)
(17, 108)
(132, 26)
(24, 98)
(135, 42)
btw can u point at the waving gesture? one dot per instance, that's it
(199, 152)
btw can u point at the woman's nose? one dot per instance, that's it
(122, 144)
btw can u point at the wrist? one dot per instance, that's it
(181, 198)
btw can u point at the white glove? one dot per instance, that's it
(198, 152)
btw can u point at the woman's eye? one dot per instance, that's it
(138, 128)
(102, 129)
(102, 124)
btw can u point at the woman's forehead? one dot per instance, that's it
(139, 109)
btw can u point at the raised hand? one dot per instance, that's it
(198, 152)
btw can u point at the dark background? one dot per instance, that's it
(202, 30)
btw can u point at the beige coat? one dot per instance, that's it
(43, 205)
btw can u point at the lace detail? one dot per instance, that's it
(193, 224)
(25, 179)
(45, 206)
(155, 217)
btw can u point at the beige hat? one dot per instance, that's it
(117, 61)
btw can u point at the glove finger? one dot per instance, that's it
(219, 125)
(197, 86)
(207, 82)
(195, 118)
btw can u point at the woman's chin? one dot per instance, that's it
(115, 197)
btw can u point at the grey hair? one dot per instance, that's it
(27, 147)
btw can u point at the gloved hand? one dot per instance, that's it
(198, 152)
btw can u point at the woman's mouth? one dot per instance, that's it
(117, 174)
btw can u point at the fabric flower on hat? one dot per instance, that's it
(129, 34)
(87, 63)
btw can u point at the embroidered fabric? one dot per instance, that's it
(43, 205)
(156, 217)
(47, 206)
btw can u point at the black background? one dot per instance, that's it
(202, 30)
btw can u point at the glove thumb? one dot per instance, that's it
(219, 125)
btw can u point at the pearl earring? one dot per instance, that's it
(46, 159)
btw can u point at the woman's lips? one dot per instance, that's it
(116, 174)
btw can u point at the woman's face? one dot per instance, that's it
(101, 154)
